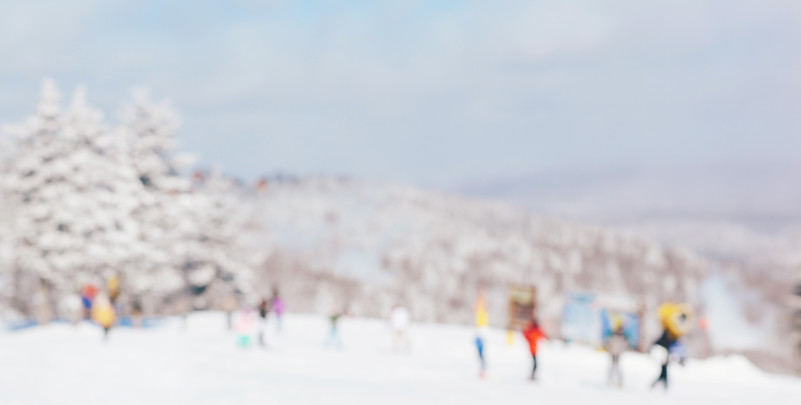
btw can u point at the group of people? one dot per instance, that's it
(676, 321)
(102, 306)
(98, 305)
(532, 333)
(399, 321)
(243, 326)
(667, 347)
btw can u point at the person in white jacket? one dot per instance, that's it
(399, 320)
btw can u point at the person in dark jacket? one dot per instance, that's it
(662, 346)
(264, 310)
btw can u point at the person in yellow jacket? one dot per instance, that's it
(482, 324)
(677, 321)
(676, 318)
(103, 313)
(113, 287)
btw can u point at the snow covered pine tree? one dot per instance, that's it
(72, 193)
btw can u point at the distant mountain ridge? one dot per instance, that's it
(726, 211)
(749, 194)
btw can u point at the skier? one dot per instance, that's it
(334, 338)
(399, 320)
(677, 320)
(482, 324)
(136, 312)
(88, 294)
(278, 306)
(615, 346)
(264, 311)
(103, 313)
(113, 287)
(229, 306)
(243, 328)
(661, 351)
(533, 333)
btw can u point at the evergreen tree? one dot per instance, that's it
(162, 214)
(219, 250)
(87, 201)
(73, 191)
(192, 229)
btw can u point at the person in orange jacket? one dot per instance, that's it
(533, 333)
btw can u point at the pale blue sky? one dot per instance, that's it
(433, 93)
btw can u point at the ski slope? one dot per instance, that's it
(61, 364)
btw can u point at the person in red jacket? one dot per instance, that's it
(533, 333)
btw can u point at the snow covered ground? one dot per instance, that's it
(59, 364)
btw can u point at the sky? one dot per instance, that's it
(430, 93)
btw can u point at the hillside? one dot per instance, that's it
(345, 242)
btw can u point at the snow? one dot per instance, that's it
(60, 364)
